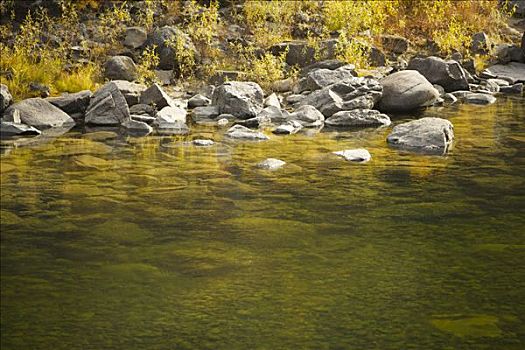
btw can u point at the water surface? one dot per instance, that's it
(114, 242)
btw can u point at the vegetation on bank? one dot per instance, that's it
(44, 47)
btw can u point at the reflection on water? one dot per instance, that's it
(112, 242)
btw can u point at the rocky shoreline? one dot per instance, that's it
(327, 94)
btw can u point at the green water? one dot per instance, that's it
(112, 242)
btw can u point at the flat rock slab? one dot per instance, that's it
(479, 99)
(358, 117)
(13, 129)
(425, 135)
(359, 155)
(203, 143)
(271, 164)
(514, 72)
(40, 113)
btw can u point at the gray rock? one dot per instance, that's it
(40, 113)
(43, 90)
(293, 99)
(272, 100)
(376, 57)
(135, 37)
(271, 164)
(489, 85)
(326, 64)
(440, 89)
(164, 77)
(120, 68)
(480, 43)
(288, 128)
(243, 133)
(164, 39)
(297, 53)
(13, 116)
(450, 98)
(406, 91)
(107, 107)
(394, 43)
(358, 117)
(222, 122)
(5, 98)
(283, 85)
(13, 129)
(257, 122)
(513, 89)
(427, 135)
(499, 82)
(460, 94)
(198, 101)
(145, 118)
(448, 74)
(320, 78)
(155, 95)
(513, 72)
(359, 155)
(177, 128)
(170, 115)
(72, 103)
(241, 99)
(354, 93)
(308, 116)
(206, 112)
(203, 143)
(275, 114)
(130, 91)
(223, 76)
(137, 127)
(141, 109)
(479, 99)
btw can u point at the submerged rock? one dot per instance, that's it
(358, 117)
(203, 143)
(243, 133)
(107, 107)
(176, 128)
(40, 113)
(479, 99)
(271, 164)
(427, 135)
(406, 91)
(355, 155)
(204, 113)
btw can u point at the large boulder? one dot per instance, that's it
(352, 93)
(167, 40)
(244, 100)
(72, 103)
(406, 91)
(5, 98)
(130, 91)
(448, 74)
(120, 68)
(107, 107)
(358, 117)
(40, 113)
(427, 135)
(320, 78)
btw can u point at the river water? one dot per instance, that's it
(114, 242)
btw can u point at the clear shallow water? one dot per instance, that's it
(150, 243)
